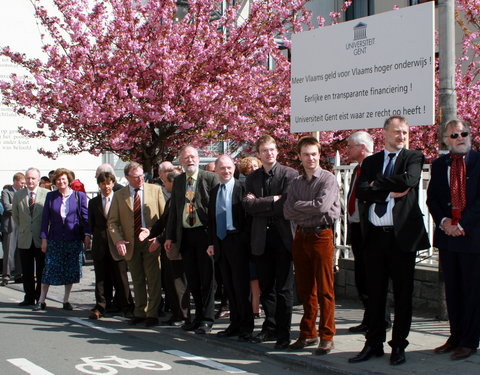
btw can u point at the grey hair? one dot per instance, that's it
(130, 166)
(362, 138)
(455, 122)
(33, 169)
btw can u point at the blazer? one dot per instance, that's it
(7, 218)
(439, 204)
(74, 228)
(101, 240)
(205, 183)
(28, 225)
(264, 210)
(408, 224)
(239, 217)
(120, 218)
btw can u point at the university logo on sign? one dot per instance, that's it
(360, 41)
(360, 31)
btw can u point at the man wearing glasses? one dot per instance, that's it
(136, 206)
(454, 202)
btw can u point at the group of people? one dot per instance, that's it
(275, 227)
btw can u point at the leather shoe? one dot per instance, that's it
(67, 306)
(95, 315)
(397, 357)
(367, 353)
(303, 342)
(4, 282)
(282, 344)
(135, 320)
(203, 329)
(325, 347)
(263, 336)
(244, 337)
(173, 323)
(229, 332)
(462, 352)
(191, 326)
(150, 322)
(358, 329)
(26, 303)
(40, 306)
(445, 348)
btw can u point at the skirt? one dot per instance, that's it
(62, 263)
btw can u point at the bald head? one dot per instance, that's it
(164, 168)
(225, 168)
(102, 168)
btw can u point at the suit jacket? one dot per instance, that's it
(74, 228)
(101, 241)
(28, 225)
(408, 222)
(120, 218)
(205, 183)
(239, 217)
(439, 204)
(264, 210)
(7, 218)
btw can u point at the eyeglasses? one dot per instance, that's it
(136, 177)
(456, 135)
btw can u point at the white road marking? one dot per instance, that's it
(205, 361)
(28, 367)
(93, 325)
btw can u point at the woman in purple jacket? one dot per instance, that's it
(64, 226)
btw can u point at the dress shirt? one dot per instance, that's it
(65, 206)
(104, 199)
(228, 200)
(387, 219)
(315, 202)
(132, 196)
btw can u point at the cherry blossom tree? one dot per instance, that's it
(133, 79)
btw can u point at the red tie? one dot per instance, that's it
(353, 194)
(137, 213)
(458, 189)
(31, 202)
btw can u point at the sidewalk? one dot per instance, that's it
(426, 334)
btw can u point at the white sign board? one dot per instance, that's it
(354, 75)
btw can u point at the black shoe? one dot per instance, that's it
(282, 344)
(4, 282)
(229, 332)
(135, 320)
(19, 280)
(67, 306)
(39, 306)
(203, 329)
(173, 323)
(367, 353)
(191, 326)
(263, 336)
(244, 337)
(398, 356)
(359, 329)
(150, 322)
(26, 303)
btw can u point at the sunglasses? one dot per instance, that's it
(456, 135)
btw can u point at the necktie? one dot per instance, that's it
(353, 194)
(458, 186)
(137, 213)
(106, 208)
(31, 202)
(222, 212)
(190, 195)
(381, 208)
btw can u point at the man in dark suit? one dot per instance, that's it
(105, 167)
(454, 202)
(11, 259)
(110, 268)
(393, 226)
(271, 241)
(187, 235)
(229, 244)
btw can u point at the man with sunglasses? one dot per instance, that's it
(454, 202)
(393, 228)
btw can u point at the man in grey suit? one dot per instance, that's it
(11, 263)
(27, 211)
(187, 235)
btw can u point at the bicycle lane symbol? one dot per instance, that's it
(107, 365)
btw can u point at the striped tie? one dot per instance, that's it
(137, 213)
(31, 202)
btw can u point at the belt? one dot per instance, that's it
(235, 231)
(316, 229)
(386, 228)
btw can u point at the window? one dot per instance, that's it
(360, 8)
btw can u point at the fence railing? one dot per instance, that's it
(343, 175)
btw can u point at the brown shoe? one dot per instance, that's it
(95, 315)
(302, 343)
(462, 352)
(325, 347)
(445, 348)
